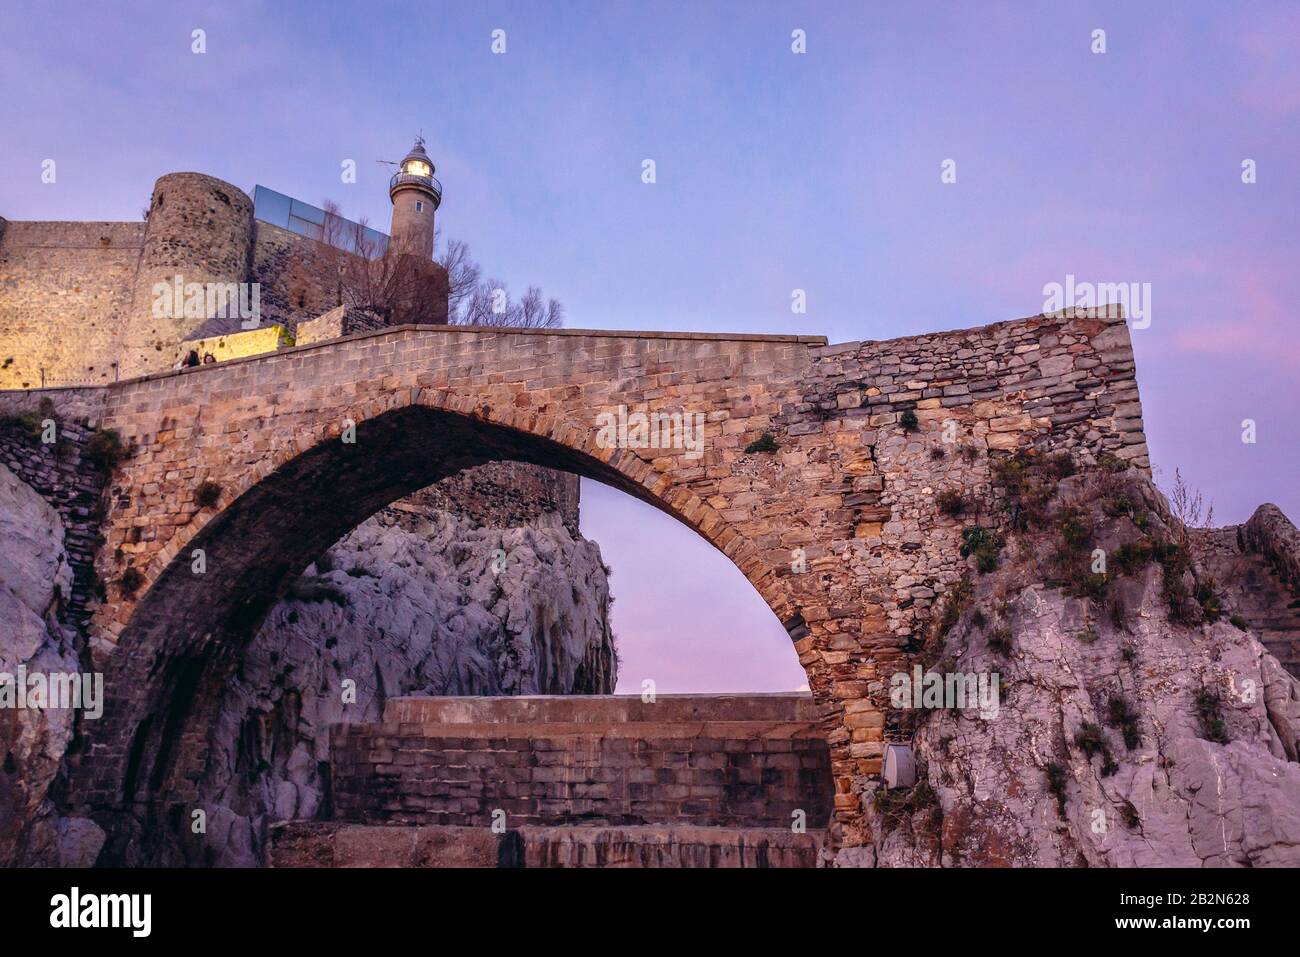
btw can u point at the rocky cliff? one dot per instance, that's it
(1139, 720)
(417, 600)
(35, 582)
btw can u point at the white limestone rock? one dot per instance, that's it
(34, 579)
(408, 603)
(1177, 799)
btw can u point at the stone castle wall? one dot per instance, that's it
(200, 229)
(76, 298)
(64, 290)
(298, 275)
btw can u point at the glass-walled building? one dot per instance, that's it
(315, 223)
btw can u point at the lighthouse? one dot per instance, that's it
(416, 195)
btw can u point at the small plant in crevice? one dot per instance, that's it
(1130, 558)
(1129, 815)
(1209, 712)
(897, 805)
(1056, 778)
(1087, 636)
(999, 641)
(951, 502)
(1116, 505)
(1175, 560)
(1060, 465)
(1207, 596)
(1121, 714)
(1029, 482)
(104, 449)
(984, 544)
(1239, 623)
(1129, 654)
(1109, 462)
(207, 494)
(970, 453)
(909, 421)
(130, 581)
(1091, 740)
(1072, 560)
(937, 454)
(764, 443)
(978, 619)
(32, 422)
(956, 602)
(1075, 527)
(313, 588)
(958, 599)
(1086, 584)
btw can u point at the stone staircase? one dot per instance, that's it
(574, 781)
(1256, 567)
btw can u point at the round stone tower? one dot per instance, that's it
(416, 195)
(200, 231)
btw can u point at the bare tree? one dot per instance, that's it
(1188, 506)
(462, 274)
(402, 287)
(393, 282)
(474, 301)
(489, 304)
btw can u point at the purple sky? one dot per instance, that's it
(776, 171)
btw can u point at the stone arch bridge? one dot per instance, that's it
(836, 527)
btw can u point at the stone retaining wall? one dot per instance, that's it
(684, 760)
(329, 844)
(501, 495)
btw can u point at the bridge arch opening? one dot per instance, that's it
(188, 631)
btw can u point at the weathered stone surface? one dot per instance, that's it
(34, 575)
(430, 402)
(330, 844)
(681, 760)
(672, 847)
(1175, 798)
(1271, 534)
(1258, 567)
(416, 607)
